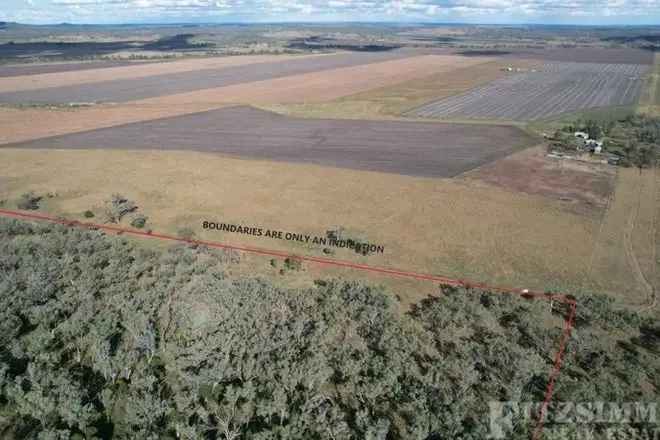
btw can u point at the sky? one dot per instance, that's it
(587, 12)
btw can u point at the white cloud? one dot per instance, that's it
(404, 10)
(77, 2)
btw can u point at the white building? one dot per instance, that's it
(596, 145)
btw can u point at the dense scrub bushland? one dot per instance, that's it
(101, 339)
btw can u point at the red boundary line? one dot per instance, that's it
(568, 323)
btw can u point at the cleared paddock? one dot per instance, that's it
(601, 55)
(30, 69)
(32, 123)
(408, 148)
(207, 77)
(77, 74)
(551, 89)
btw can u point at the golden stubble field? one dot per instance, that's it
(453, 227)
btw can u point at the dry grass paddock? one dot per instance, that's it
(649, 101)
(626, 248)
(457, 228)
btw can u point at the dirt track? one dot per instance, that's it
(625, 246)
(409, 148)
(135, 87)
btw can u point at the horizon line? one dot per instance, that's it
(326, 22)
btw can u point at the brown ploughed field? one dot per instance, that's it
(411, 148)
(32, 123)
(79, 74)
(581, 186)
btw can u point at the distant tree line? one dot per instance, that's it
(102, 339)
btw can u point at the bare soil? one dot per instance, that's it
(79, 76)
(581, 55)
(392, 101)
(29, 69)
(581, 186)
(325, 85)
(547, 91)
(409, 148)
(33, 123)
(230, 71)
